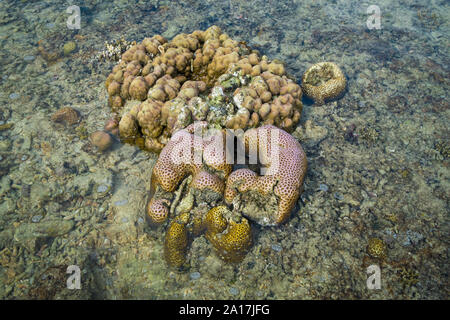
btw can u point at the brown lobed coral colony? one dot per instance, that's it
(167, 94)
(204, 196)
(268, 199)
(161, 86)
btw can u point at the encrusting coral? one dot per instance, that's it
(376, 248)
(323, 81)
(192, 182)
(204, 75)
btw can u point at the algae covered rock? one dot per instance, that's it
(101, 139)
(32, 235)
(69, 47)
(66, 115)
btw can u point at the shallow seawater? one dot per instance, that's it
(378, 157)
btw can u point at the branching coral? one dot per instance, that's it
(204, 75)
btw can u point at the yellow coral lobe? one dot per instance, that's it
(214, 220)
(176, 242)
(376, 248)
(197, 226)
(323, 81)
(232, 239)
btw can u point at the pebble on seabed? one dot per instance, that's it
(338, 196)
(277, 247)
(195, 275)
(102, 188)
(234, 291)
(36, 218)
(121, 202)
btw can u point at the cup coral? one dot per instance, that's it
(323, 81)
(204, 75)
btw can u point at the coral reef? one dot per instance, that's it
(393, 189)
(323, 81)
(101, 139)
(204, 75)
(269, 199)
(191, 181)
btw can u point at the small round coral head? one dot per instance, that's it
(112, 126)
(376, 248)
(323, 81)
(101, 139)
(157, 211)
